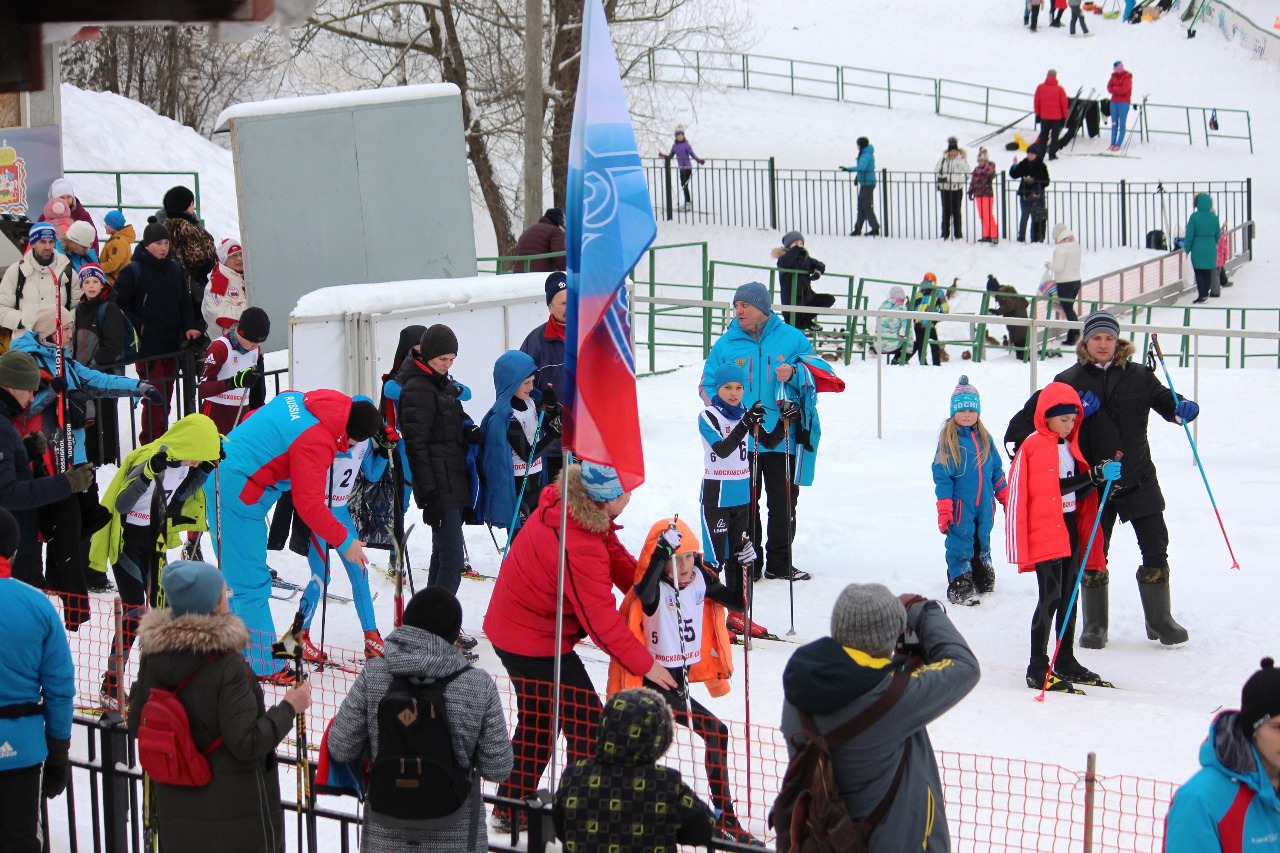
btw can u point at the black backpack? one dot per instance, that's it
(416, 776)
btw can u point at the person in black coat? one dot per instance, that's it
(99, 344)
(545, 345)
(1034, 173)
(152, 290)
(541, 238)
(1006, 302)
(435, 432)
(798, 270)
(1118, 395)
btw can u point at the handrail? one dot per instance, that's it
(119, 188)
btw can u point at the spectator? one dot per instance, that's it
(545, 345)
(683, 152)
(983, 195)
(621, 793)
(190, 243)
(832, 680)
(1076, 15)
(1059, 6)
(77, 244)
(797, 270)
(36, 693)
(152, 292)
(894, 335)
(1007, 303)
(227, 295)
(62, 190)
(196, 641)
(423, 649)
(865, 180)
(1201, 243)
(932, 299)
(950, 173)
(32, 289)
(58, 214)
(1034, 174)
(101, 329)
(121, 237)
(1120, 88)
(1231, 802)
(1065, 267)
(544, 237)
(1051, 110)
(1032, 15)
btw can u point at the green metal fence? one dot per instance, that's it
(127, 195)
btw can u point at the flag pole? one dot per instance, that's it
(555, 675)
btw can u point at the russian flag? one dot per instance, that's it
(609, 226)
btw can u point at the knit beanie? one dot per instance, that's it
(61, 187)
(114, 220)
(868, 617)
(600, 482)
(191, 586)
(363, 421)
(863, 142)
(754, 294)
(435, 610)
(730, 372)
(227, 247)
(897, 294)
(555, 283)
(1061, 409)
(177, 200)
(965, 398)
(953, 144)
(42, 231)
(82, 233)
(92, 270)
(1099, 322)
(436, 341)
(18, 370)
(556, 215)
(254, 324)
(993, 283)
(8, 534)
(1118, 65)
(1260, 698)
(154, 232)
(791, 237)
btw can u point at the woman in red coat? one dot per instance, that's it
(1120, 87)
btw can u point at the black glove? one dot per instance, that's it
(207, 466)
(150, 393)
(57, 385)
(79, 478)
(246, 378)
(788, 410)
(156, 464)
(754, 416)
(472, 434)
(549, 400)
(432, 512)
(36, 444)
(57, 768)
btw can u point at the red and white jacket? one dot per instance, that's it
(225, 299)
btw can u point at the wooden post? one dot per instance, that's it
(1090, 783)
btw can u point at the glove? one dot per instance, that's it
(702, 162)
(1108, 471)
(207, 466)
(1090, 403)
(549, 400)
(156, 464)
(946, 515)
(670, 540)
(36, 444)
(1188, 411)
(246, 378)
(150, 393)
(385, 440)
(432, 512)
(848, 168)
(57, 385)
(788, 410)
(754, 416)
(747, 553)
(1003, 497)
(57, 768)
(79, 478)
(472, 434)
(911, 599)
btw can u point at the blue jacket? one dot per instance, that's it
(777, 344)
(36, 666)
(1210, 813)
(974, 483)
(866, 175)
(498, 498)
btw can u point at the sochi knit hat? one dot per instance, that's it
(730, 372)
(81, 233)
(178, 200)
(154, 232)
(965, 398)
(600, 482)
(791, 237)
(18, 370)
(435, 610)
(1260, 698)
(754, 294)
(255, 325)
(114, 220)
(555, 283)
(868, 617)
(1101, 322)
(436, 341)
(191, 586)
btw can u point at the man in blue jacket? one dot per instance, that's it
(769, 351)
(865, 180)
(545, 345)
(37, 686)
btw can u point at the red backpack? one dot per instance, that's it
(165, 748)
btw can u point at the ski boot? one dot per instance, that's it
(310, 651)
(98, 582)
(787, 574)
(1153, 588)
(984, 578)
(280, 678)
(960, 590)
(737, 623)
(466, 642)
(728, 829)
(373, 645)
(1036, 672)
(1071, 670)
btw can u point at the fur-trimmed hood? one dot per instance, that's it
(160, 631)
(1124, 352)
(585, 511)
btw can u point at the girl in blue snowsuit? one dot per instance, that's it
(968, 479)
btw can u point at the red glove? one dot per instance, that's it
(1003, 497)
(946, 515)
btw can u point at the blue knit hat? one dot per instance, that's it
(965, 398)
(191, 586)
(600, 482)
(114, 220)
(42, 231)
(730, 372)
(555, 283)
(755, 294)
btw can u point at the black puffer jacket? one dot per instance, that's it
(1129, 392)
(431, 424)
(153, 292)
(240, 809)
(20, 492)
(796, 287)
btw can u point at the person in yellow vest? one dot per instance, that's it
(677, 608)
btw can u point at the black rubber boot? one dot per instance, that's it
(1153, 587)
(1095, 604)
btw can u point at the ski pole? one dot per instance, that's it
(1155, 342)
(791, 569)
(753, 520)
(746, 663)
(524, 482)
(684, 660)
(1075, 592)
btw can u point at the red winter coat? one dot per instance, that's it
(1051, 100)
(1034, 529)
(522, 612)
(1120, 86)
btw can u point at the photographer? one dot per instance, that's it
(832, 680)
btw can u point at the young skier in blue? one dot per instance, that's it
(968, 479)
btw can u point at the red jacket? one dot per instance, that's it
(1051, 100)
(522, 612)
(1120, 86)
(1034, 529)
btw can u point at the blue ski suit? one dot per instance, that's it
(971, 487)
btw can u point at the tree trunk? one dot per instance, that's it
(566, 50)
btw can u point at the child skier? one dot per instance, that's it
(369, 458)
(233, 370)
(893, 335)
(1051, 510)
(678, 617)
(967, 480)
(929, 298)
(517, 433)
(726, 481)
(146, 521)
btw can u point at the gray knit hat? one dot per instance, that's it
(1099, 322)
(868, 617)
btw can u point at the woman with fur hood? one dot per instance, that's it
(951, 174)
(195, 642)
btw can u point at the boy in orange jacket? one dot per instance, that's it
(677, 609)
(1052, 504)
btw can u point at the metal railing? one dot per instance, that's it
(143, 193)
